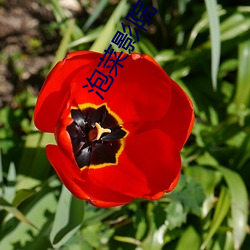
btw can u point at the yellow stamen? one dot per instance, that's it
(96, 133)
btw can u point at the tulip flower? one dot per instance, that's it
(122, 142)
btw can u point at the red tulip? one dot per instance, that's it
(126, 146)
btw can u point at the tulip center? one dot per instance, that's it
(96, 135)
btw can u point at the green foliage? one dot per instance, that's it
(104, 39)
(214, 27)
(68, 218)
(205, 47)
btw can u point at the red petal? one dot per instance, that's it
(63, 138)
(140, 79)
(150, 167)
(78, 183)
(179, 120)
(124, 178)
(171, 187)
(174, 183)
(140, 92)
(156, 155)
(55, 92)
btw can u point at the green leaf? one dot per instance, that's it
(221, 211)
(1, 167)
(242, 97)
(90, 37)
(22, 195)
(208, 179)
(93, 215)
(1, 175)
(96, 13)
(96, 234)
(235, 25)
(129, 240)
(68, 218)
(34, 162)
(140, 224)
(14, 211)
(62, 50)
(242, 154)
(10, 189)
(164, 56)
(239, 204)
(147, 46)
(198, 27)
(191, 197)
(214, 27)
(190, 239)
(62, 20)
(182, 4)
(176, 215)
(201, 26)
(155, 237)
(108, 31)
(57, 10)
(26, 182)
(39, 209)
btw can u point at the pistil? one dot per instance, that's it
(96, 133)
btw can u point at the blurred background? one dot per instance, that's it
(203, 45)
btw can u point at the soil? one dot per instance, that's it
(28, 41)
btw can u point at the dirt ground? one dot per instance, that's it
(29, 38)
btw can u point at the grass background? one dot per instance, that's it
(202, 45)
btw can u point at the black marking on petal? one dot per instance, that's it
(98, 115)
(109, 121)
(78, 137)
(105, 153)
(102, 151)
(116, 133)
(78, 117)
(83, 159)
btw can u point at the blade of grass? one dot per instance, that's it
(62, 50)
(90, 37)
(242, 96)
(10, 189)
(200, 26)
(101, 6)
(61, 19)
(239, 204)
(242, 154)
(129, 240)
(234, 26)
(103, 40)
(13, 210)
(221, 211)
(57, 10)
(39, 209)
(1, 176)
(68, 218)
(214, 27)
